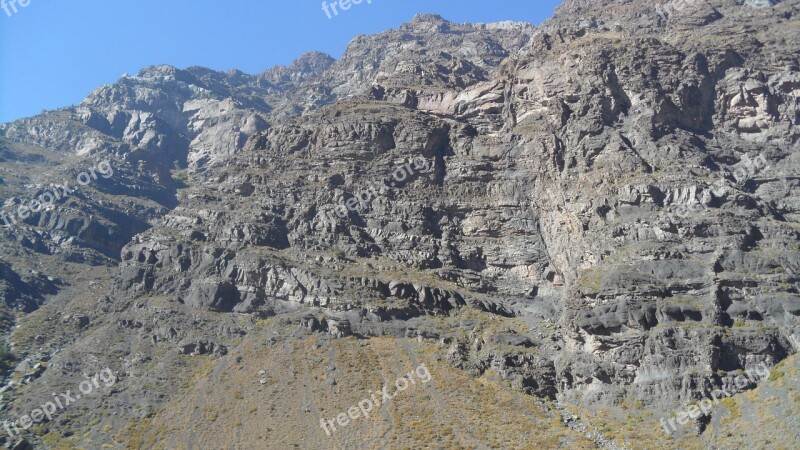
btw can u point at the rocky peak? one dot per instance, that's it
(307, 67)
(420, 19)
(164, 72)
(314, 63)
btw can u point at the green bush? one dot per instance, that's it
(181, 177)
(6, 358)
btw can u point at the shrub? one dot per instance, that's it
(775, 374)
(6, 358)
(181, 177)
(339, 253)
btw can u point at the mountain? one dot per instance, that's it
(579, 230)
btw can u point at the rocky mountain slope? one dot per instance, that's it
(588, 225)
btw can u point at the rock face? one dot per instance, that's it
(622, 179)
(557, 158)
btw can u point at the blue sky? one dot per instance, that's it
(52, 54)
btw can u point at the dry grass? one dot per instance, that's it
(226, 406)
